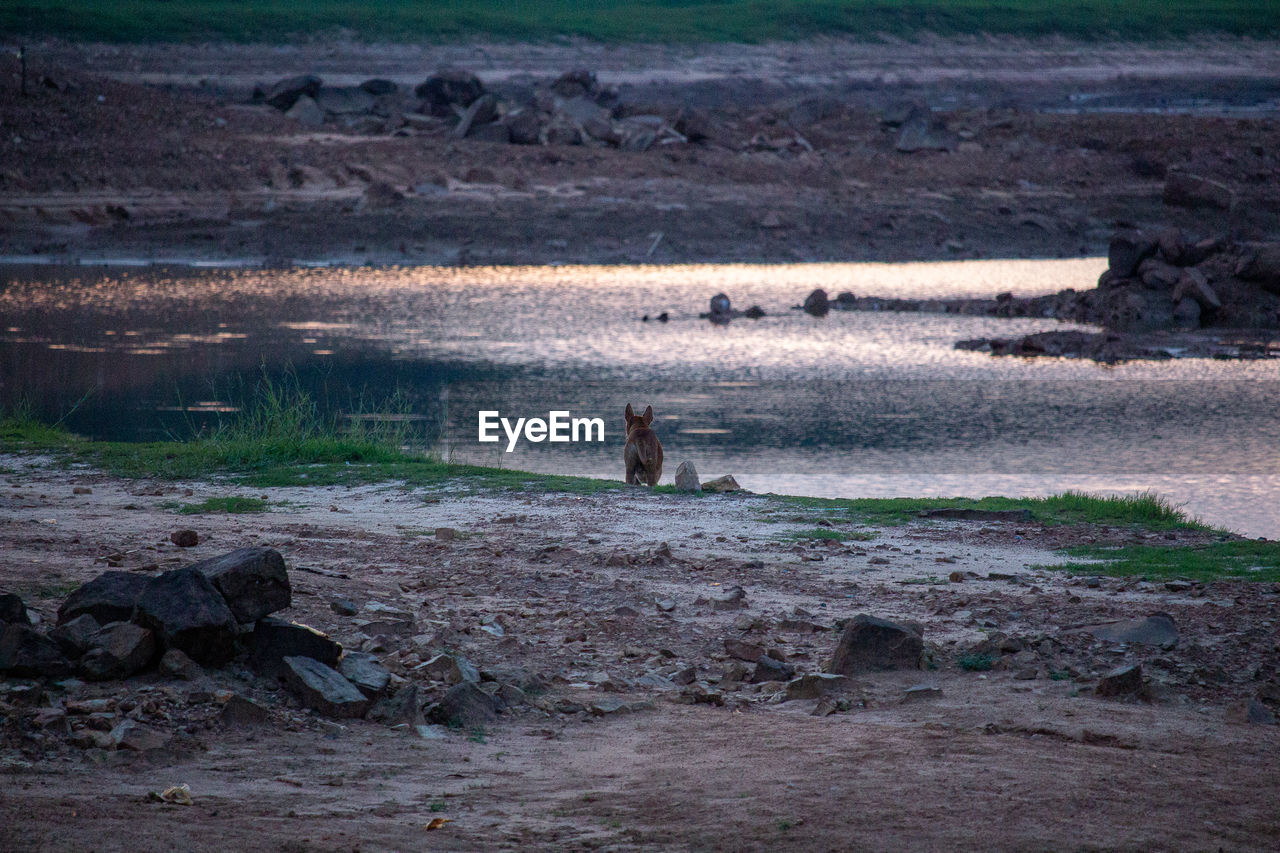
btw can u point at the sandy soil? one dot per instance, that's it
(1013, 758)
(153, 152)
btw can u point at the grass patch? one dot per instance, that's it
(233, 505)
(976, 663)
(832, 534)
(623, 20)
(1146, 510)
(1244, 559)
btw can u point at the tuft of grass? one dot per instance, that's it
(627, 20)
(976, 663)
(224, 505)
(1146, 510)
(833, 534)
(1242, 559)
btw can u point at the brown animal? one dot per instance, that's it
(643, 452)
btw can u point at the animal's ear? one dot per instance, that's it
(648, 415)
(630, 414)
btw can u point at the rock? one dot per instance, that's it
(577, 83)
(869, 643)
(135, 736)
(524, 127)
(364, 671)
(1250, 711)
(722, 484)
(482, 110)
(1186, 314)
(465, 705)
(26, 652)
(1121, 681)
(446, 89)
(110, 597)
(380, 195)
(1158, 275)
(924, 132)
(720, 305)
(344, 607)
(446, 534)
(449, 669)
(495, 132)
(1261, 263)
(13, 610)
(401, 707)
(755, 312)
(377, 86)
(1183, 189)
(1157, 629)
(734, 599)
(561, 130)
(118, 650)
(306, 112)
(253, 582)
(324, 689)
(916, 692)
(185, 538)
(1192, 284)
(75, 636)
(1127, 250)
(285, 93)
(527, 680)
(242, 712)
(175, 664)
(772, 669)
(815, 684)
(687, 478)
(187, 612)
(274, 640)
(817, 304)
(743, 650)
(342, 101)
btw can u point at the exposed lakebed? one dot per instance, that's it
(851, 404)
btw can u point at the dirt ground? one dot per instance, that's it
(154, 152)
(602, 598)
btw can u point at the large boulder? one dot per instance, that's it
(442, 91)
(323, 688)
(12, 609)
(110, 597)
(1261, 263)
(870, 644)
(186, 611)
(817, 304)
(306, 112)
(364, 671)
(1158, 629)
(483, 110)
(285, 93)
(273, 640)
(118, 650)
(464, 705)
(75, 636)
(524, 126)
(253, 582)
(687, 478)
(401, 707)
(26, 652)
(1127, 250)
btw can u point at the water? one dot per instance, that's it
(853, 404)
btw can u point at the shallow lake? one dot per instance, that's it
(852, 404)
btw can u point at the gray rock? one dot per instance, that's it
(524, 127)
(743, 650)
(274, 640)
(733, 599)
(1121, 681)
(1250, 711)
(253, 581)
(75, 635)
(482, 110)
(869, 644)
(527, 680)
(1127, 250)
(442, 91)
(242, 712)
(450, 669)
(110, 597)
(402, 707)
(1157, 629)
(343, 607)
(770, 669)
(306, 112)
(812, 685)
(722, 484)
(687, 478)
(175, 664)
(28, 653)
(720, 305)
(817, 304)
(923, 132)
(324, 689)
(561, 130)
(466, 705)
(1261, 264)
(364, 671)
(13, 610)
(1192, 284)
(185, 538)
(118, 650)
(187, 612)
(345, 100)
(917, 692)
(285, 93)
(578, 83)
(1183, 189)
(135, 736)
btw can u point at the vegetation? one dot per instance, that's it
(1246, 559)
(621, 20)
(976, 663)
(224, 505)
(831, 533)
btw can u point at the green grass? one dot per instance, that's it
(1146, 510)
(1240, 559)
(617, 21)
(831, 533)
(976, 663)
(224, 505)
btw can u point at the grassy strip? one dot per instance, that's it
(228, 505)
(1242, 559)
(829, 533)
(618, 21)
(1146, 510)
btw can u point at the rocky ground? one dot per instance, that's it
(634, 671)
(826, 150)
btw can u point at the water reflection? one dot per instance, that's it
(849, 404)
